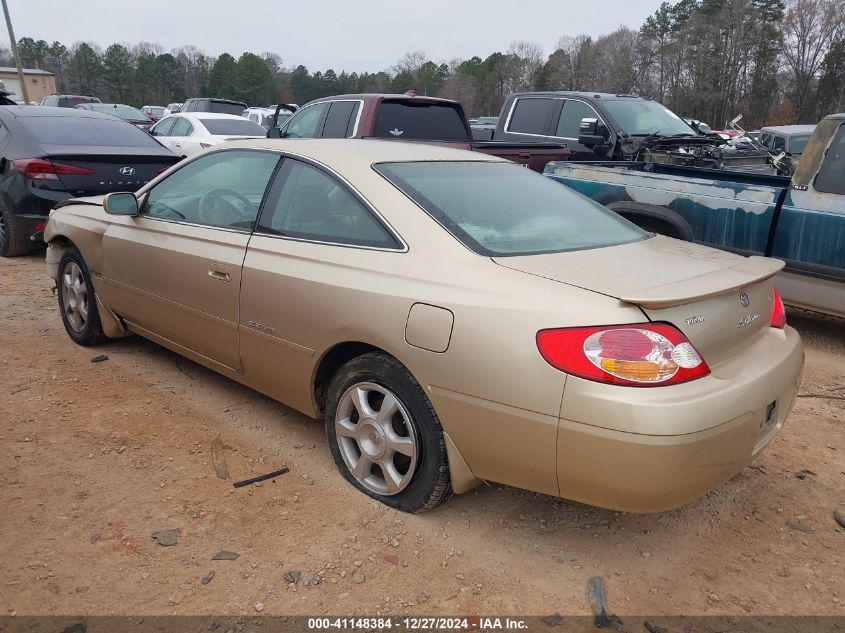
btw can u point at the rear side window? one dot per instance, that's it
(182, 127)
(831, 177)
(420, 121)
(312, 205)
(222, 107)
(340, 121)
(106, 132)
(532, 116)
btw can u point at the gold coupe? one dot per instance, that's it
(452, 317)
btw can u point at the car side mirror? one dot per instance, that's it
(591, 132)
(122, 203)
(274, 132)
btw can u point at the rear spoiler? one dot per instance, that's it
(751, 270)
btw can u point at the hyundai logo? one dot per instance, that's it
(127, 171)
(743, 299)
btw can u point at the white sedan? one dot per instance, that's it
(188, 134)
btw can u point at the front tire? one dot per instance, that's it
(385, 436)
(77, 301)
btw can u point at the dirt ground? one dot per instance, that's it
(94, 457)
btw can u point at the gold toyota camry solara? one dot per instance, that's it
(453, 317)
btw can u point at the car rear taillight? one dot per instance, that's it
(637, 355)
(778, 312)
(40, 169)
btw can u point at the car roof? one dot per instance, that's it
(840, 116)
(28, 111)
(607, 96)
(790, 129)
(337, 152)
(371, 96)
(213, 99)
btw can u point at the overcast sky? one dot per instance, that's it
(367, 35)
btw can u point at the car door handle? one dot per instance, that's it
(219, 274)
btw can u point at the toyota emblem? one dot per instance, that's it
(744, 299)
(127, 171)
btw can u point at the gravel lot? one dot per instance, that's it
(95, 457)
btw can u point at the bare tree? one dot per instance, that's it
(810, 27)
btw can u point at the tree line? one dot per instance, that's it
(774, 61)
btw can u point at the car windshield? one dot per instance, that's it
(224, 107)
(641, 118)
(233, 127)
(86, 131)
(498, 209)
(124, 112)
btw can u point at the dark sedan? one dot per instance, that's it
(51, 154)
(121, 111)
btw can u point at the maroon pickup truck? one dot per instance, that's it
(406, 118)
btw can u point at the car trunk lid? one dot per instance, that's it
(719, 300)
(111, 172)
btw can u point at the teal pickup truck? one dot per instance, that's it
(801, 221)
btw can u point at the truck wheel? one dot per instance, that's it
(385, 436)
(13, 241)
(654, 219)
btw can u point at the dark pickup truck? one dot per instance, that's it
(801, 221)
(407, 118)
(600, 126)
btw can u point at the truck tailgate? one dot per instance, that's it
(535, 156)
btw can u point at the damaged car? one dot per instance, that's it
(450, 316)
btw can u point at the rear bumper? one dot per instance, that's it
(30, 225)
(653, 449)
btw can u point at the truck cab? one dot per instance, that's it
(620, 127)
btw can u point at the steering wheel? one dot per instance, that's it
(215, 209)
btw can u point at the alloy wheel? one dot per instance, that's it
(376, 437)
(75, 296)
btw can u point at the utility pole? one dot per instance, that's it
(14, 44)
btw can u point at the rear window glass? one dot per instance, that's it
(420, 121)
(233, 127)
(86, 131)
(221, 107)
(127, 113)
(498, 209)
(69, 102)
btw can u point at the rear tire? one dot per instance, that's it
(385, 436)
(13, 241)
(77, 300)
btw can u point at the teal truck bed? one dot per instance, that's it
(801, 221)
